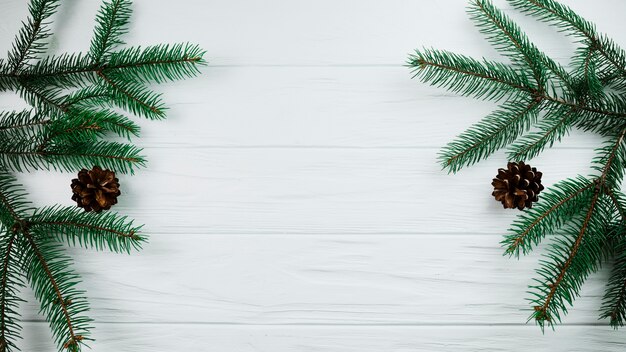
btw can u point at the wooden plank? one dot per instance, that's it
(304, 107)
(211, 338)
(324, 32)
(311, 191)
(319, 279)
(311, 107)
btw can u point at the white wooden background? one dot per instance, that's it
(293, 197)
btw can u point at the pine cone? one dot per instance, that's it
(95, 189)
(517, 186)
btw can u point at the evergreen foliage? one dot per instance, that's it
(584, 217)
(77, 100)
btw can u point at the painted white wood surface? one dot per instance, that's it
(293, 196)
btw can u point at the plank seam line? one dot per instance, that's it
(320, 147)
(399, 325)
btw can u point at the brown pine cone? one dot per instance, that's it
(95, 189)
(517, 186)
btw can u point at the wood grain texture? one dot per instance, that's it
(211, 338)
(293, 197)
(312, 191)
(318, 279)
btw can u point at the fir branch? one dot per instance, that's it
(63, 71)
(13, 204)
(10, 120)
(10, 282)
(134, 98)
(586, 215)
(591, 85)
(558, 205)
(492, 133)
(560, 15)
(54, 286)
(123, 158)
(464, 75)
(596, 107)
(107, 120)
(571, 257)
(13, 207)
(30, 40)
(159, 63)
(551, 128)
(46, 101)
(550, 296)
(619, 202)
(89, 97)
(565, 18)
(614, 301)
(73, 99)
(608, 75)
(564, 201)
(112, 22)
(70, 133)
(489, 81)
(19, 153)
(90, 230)
(71, 70)
(507, 37)
(80, 126)
(610, 162)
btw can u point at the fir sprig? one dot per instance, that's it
(585, 216)
(77, 101)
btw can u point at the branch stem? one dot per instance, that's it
(600, 183)
(539, 95)
(61, 300)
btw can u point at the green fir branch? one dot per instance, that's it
(49, 273)
(31, 40)
(570, 258)
(133, 97)
(508, 38)
(584, 216)
(614, 301)
(159, 63)
(74, 100)
(558, 205)
(107, 120)
(46, 101)
(590, 85)
(566, 19)
(492, 133)
(123, 158)
(62, 71)
(13, 206)
(111, 23)
(39, 154)
(461, 74)
(554, 125)
(89, 230)
(10, 120)
(10, 284)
